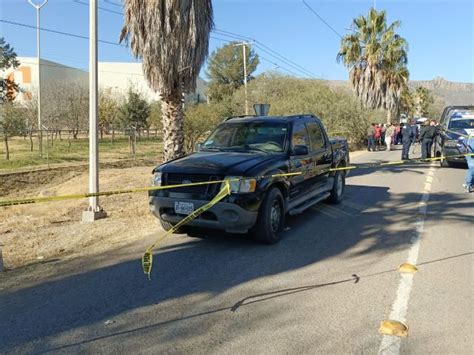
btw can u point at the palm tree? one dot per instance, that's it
(377, 58)
(423, 99)
(172, 38)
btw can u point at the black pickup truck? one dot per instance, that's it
(248, 147)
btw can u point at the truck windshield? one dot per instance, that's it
(248, 136)
(462, 123)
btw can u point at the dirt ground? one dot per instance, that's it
(44, 231)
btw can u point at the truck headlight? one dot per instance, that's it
(241, 185)
(156, 179)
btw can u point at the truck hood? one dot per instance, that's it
(217, 163)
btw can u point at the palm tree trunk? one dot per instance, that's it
(173, 127)
(389, 116)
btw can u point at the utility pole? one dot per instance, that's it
(93, 212)
(244, 49)
(38, 58)
(245, 80)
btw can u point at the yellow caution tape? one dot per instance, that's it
(33, 200)
(399, 162)
(147, 259)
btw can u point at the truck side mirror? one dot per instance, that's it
(198, 147)
(300, 150)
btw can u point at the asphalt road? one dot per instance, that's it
(323, 289)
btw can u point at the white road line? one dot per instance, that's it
(391, 344)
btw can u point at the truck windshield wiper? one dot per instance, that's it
(255, 148)
(213, 148)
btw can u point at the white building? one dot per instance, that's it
(52, 74)
(115, 77)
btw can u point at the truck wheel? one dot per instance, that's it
(444, 163)
(270, 218)
(167, 226)
(338, 188)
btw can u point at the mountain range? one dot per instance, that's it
(452, 93)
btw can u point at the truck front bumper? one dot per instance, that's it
(453, 155)
(223, 215)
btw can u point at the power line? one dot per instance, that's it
(220, 39)
(231, 34)
(260, 56)
(259, 45)
(59, 32)
(265, 48)
(279, 66)
(112, 3)
(269, 51)
(322, 20)
(100, 7)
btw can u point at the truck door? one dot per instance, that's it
(299, 162)
(321, 154)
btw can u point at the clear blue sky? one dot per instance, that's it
(440, 33)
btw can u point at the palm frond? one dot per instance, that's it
(171, 37)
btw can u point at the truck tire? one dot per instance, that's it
(270, 218)
(444, 163)
(338, 187)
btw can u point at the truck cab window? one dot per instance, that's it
(300, 135)
(315, 135)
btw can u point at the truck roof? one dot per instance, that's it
(292, 118)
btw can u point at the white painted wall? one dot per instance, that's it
(115, 77)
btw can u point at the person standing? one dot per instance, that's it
(370, 137)
(434, 124)
(469, 179)
(398, 137)
(426, 138)
(378, 136)
(383, 133)
(408, 136)
(389, 133)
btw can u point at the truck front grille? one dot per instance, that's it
(179, 179)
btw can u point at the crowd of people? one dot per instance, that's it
(384, 136)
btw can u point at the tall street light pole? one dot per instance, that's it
(93, 212)
(38, 58)
(245, 80)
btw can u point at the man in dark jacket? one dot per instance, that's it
(370, 137)
(428, 132)
(408, 137)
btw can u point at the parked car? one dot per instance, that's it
(250, 147)
(456, 122)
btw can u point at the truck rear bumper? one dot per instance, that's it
(223, 216)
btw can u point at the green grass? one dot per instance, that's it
(77, 151)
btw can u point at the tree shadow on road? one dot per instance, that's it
(32, 316)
